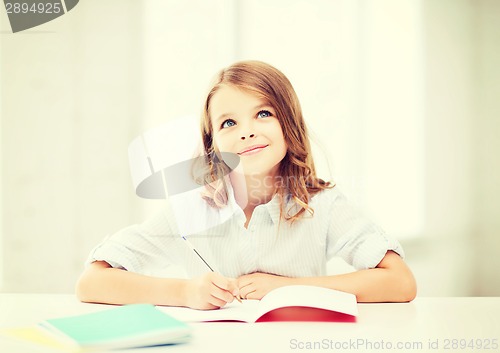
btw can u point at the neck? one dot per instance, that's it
(253, 190)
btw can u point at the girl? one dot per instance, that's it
(288, 222)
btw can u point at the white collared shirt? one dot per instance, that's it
(301, 249)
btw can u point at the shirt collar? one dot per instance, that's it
(273, 206)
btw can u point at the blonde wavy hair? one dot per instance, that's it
(296, 168)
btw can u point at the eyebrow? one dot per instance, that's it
(225, 115)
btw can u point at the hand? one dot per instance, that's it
(210, 291)
(256, 285)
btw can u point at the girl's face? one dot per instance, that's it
(245, 124)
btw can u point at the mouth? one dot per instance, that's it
(252, 150)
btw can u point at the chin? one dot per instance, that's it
(249, 170)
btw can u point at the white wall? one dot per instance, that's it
(443, 261)
(69, 109)
(357, 68)
(459, 251)
(75, 92)
(378, 81)
(486, 164)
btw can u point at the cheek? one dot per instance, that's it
(284, 148)
(221, 143)
(279, 138)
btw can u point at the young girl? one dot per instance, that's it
(288, 223)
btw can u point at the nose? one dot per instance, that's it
(249, 136)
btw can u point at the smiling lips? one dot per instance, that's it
(252, 150)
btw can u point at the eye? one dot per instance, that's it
(264, 114)
(227, 123)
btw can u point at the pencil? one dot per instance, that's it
(202, 259)
(164, 182)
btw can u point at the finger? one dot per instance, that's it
(244, 284)
(221, 294)
(216, 302)
(245, 289)
(227, 284)
(234, 287)
(210, 306)
(251, 294)
(246, 280)
(244, 292)
(220, 281)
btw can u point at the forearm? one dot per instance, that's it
(373, 285)
(103, 284)
(390, 281)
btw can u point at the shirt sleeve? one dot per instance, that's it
(138, 248)
(355, 238)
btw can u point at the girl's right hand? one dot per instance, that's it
(210, 291)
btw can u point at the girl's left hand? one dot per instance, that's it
(256, 285)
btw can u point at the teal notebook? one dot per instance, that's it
(128, 326)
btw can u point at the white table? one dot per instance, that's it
(425, 325)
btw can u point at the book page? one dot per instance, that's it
(251, 310)
(308, 296)
(234, 311)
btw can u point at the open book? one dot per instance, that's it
(289, 303)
